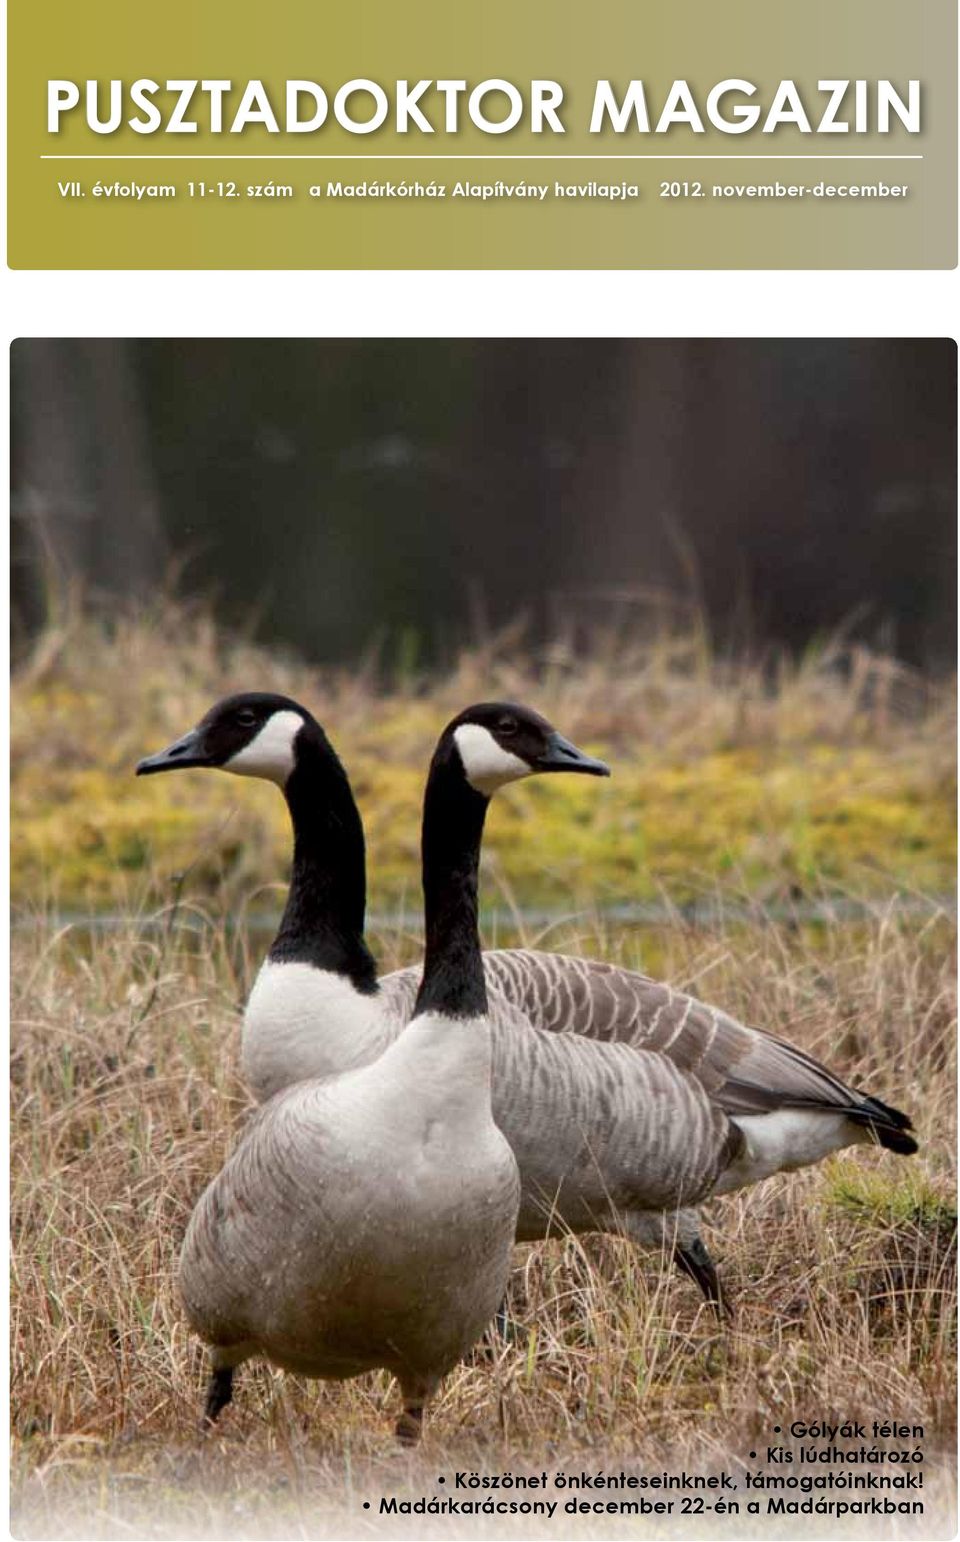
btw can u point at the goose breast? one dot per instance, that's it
(354, 1227)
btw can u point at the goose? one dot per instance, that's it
(366, 1218)
(316, 1007)
(577, 1044)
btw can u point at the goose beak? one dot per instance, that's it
(183, 752)
(561, 755)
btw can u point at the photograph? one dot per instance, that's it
(534, 1115)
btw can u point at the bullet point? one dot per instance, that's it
(777, 1430)
(366, 1504)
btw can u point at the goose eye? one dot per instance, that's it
(246, 717)
(507, 725)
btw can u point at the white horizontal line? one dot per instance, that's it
(600, 156)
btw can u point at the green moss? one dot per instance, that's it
(705, 792)
(890, 1197)
(762, 821)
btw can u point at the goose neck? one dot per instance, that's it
(453, 819)
(323, 920)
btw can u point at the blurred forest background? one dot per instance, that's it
(335, 495)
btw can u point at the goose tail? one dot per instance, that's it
(889, 1126)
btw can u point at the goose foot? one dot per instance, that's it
(219, 1394)
(695, 1261)
(410, 1424)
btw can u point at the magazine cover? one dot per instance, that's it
(482, 754)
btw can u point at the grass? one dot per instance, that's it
(126, 1097)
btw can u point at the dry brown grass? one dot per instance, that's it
(127, 1097)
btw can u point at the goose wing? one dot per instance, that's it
(745, 1070)
(601, 1125)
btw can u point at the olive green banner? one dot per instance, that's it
(382, 135)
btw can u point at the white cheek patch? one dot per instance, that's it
(270, 754)
(486, 763)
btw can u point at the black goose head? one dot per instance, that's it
(497, 742)
(254, 733)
